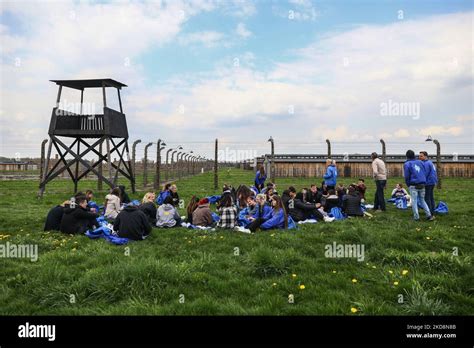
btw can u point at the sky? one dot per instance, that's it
(301, 71)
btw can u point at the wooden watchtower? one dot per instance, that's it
(88, 133)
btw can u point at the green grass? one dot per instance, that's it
(204, 267)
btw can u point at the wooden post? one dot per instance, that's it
(438, 162)
(99, 169)
(77, 165)
(384, 150)
(272, 165)
(216, 166)
(109, 159)
(134, 153)
(329, 148)
(156, 183)
(120, 100)
(145, 165)
(42, 159)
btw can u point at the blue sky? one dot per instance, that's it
(319, 68)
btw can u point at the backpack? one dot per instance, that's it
(291, 223)
(336, 212)
(441, 208)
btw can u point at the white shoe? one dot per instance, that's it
(329, 219)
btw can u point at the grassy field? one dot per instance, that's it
(191, 272)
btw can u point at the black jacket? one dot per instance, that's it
(53, 219)
(300, 210)
(175, 198)
(351, 204)
(313, 197)
(331, 202)
(132, 223)
(149, 209)
(77, 220)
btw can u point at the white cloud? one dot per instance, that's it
(442, 130)
(205, 38)
(402, 133)
(242, 31)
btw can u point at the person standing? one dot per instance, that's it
(379, 173)
(415, 178)
(431, 180)
(330, 177)
(260, 178)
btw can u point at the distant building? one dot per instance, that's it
(17, 166)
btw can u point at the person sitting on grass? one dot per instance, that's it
(270, 185)
(300, 210)
(313, 195)
(341, 191)
(227, 190)
(252, 205)
(202, 216)
(132, 222)
(361, 188)
(124, 198)
(53, 219)
(278, 217)
(148, 207)
(193, 204)
(227, 213)
(163, 194)
(243, 193)
(330, 201)
(76, 217)
(400, 192)
(262, 209)
(167, 215)
(351, 202)
(323, 189)
(112, 204)
(269, 193)
(174, 195)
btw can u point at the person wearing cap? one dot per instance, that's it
(202, 215)
(380, 175)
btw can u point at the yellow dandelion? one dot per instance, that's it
(302, 287)
(391, 272)
(354, 310)
(274, 284)
(405, 272)
(222, 237)
(334, 271)
(418, 229)
(395, 283)
(374, 266)
(428, 238)
(293, 275)
(189, 241)
(354, 280)
(273, 234)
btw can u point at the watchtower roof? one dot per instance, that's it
(89, 83)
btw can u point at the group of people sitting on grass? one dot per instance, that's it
(247, 208)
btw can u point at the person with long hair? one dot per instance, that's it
(260, 178)
(192, 205)
(243, 193)
(277, 219)
(112, 204)
(227, 213)
(148, 207)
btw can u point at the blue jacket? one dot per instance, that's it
(414, 172)
(430, 171)
(330, 177)
(162, 196)
(260, 180)
(277, 220)
(266, 214)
